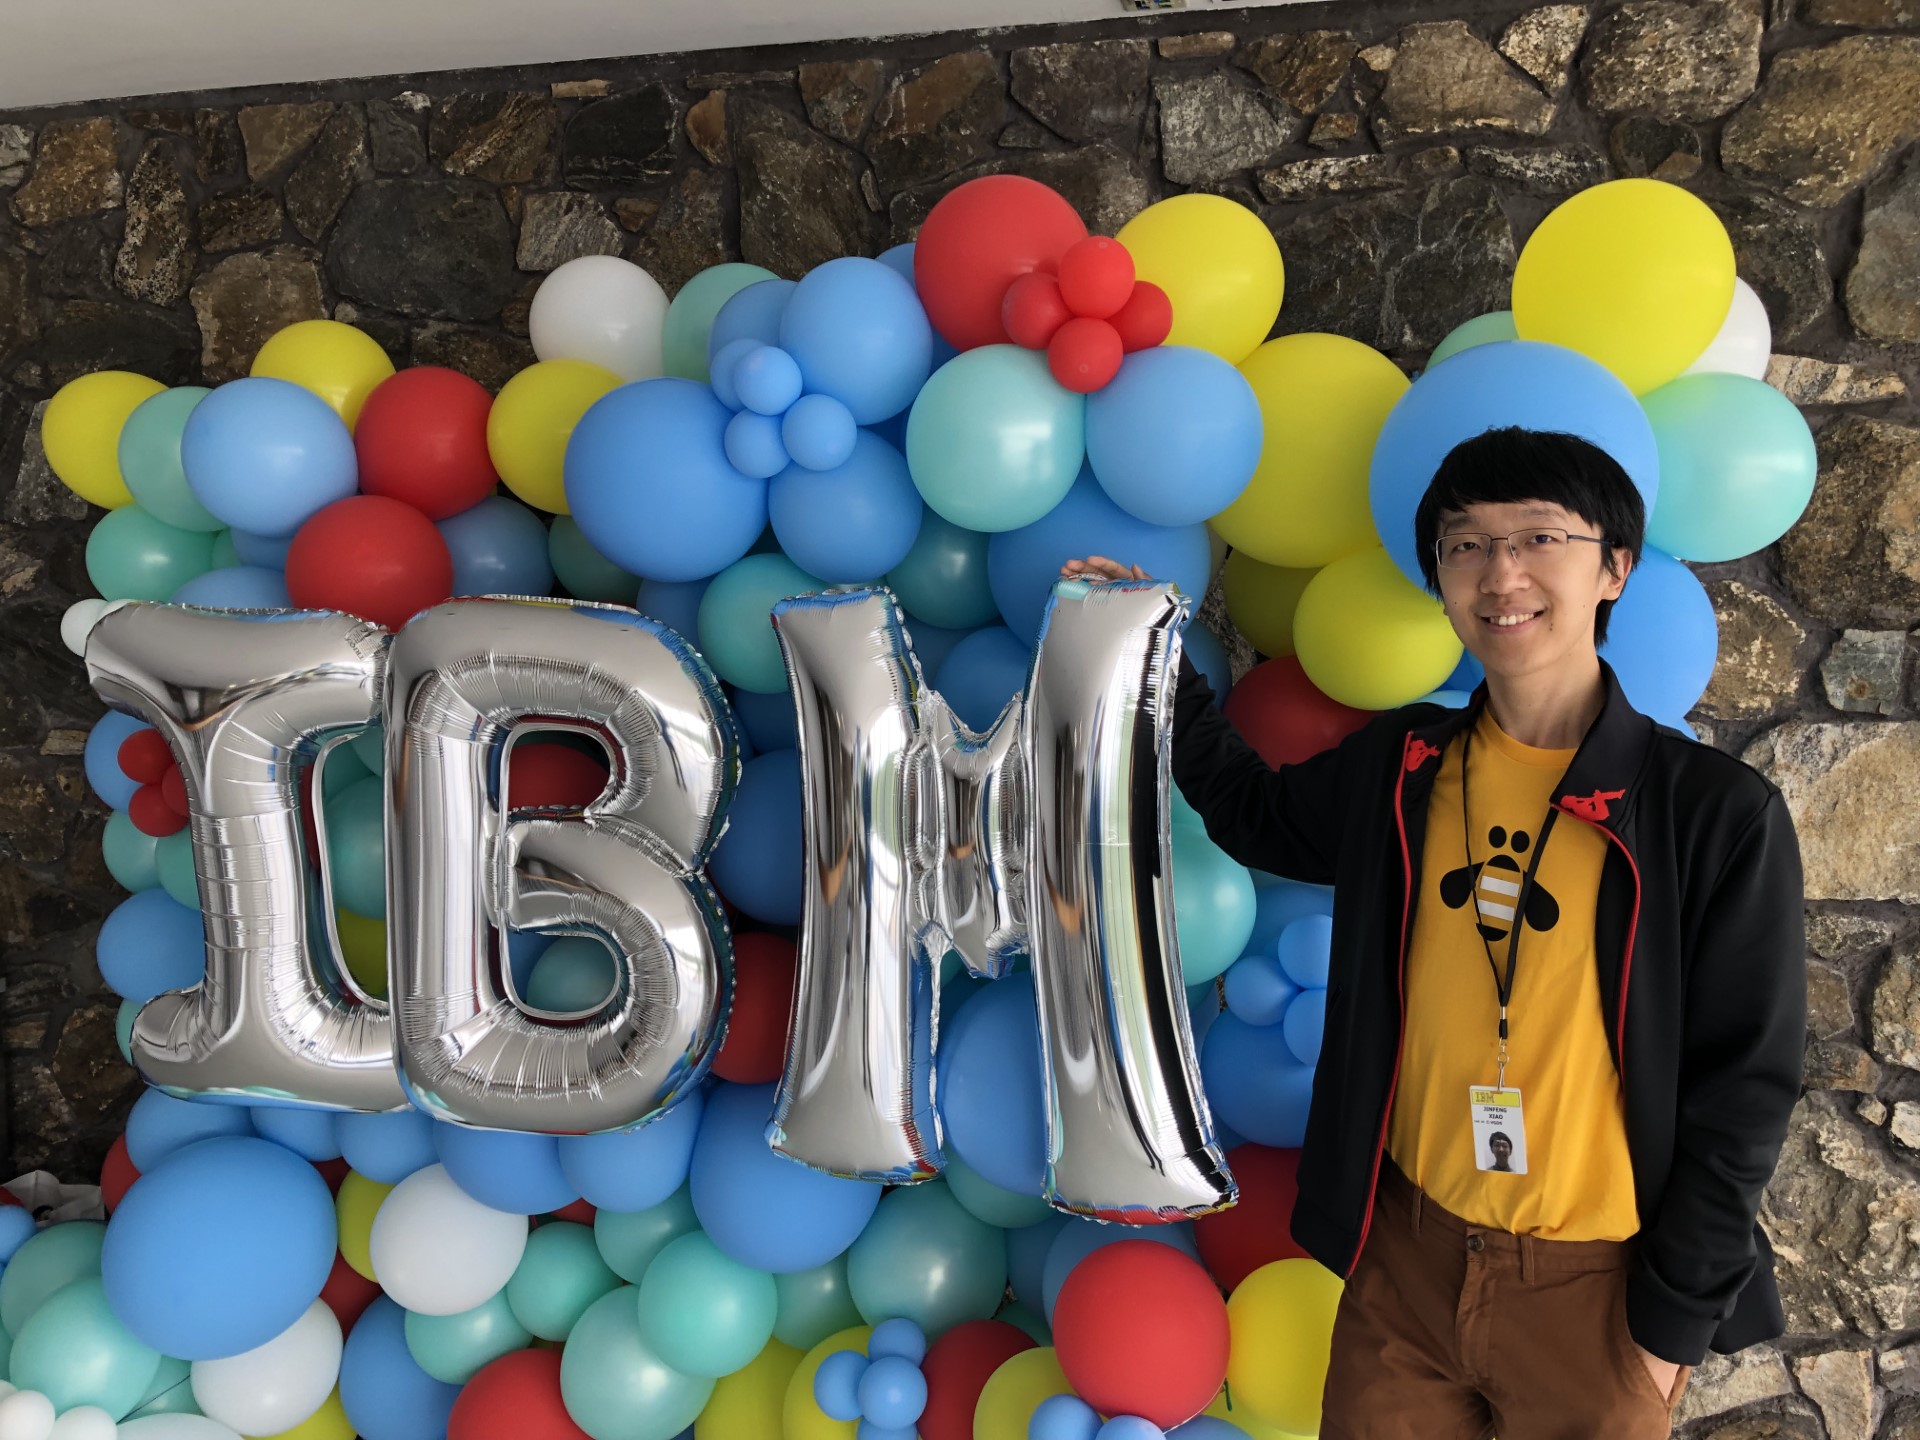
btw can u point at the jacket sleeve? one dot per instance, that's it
(1283, 821)
(1743, 1038)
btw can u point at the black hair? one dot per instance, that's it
(1510, 465)
(1502, 1136)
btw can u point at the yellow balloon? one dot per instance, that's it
(1261, 600)
(1219, 265)
(1369, 637)
(751, 1401)
(81, 430)
(363, 943)
(1014, 1391)
(1281, 1320)
(355, 1206)
(335, 361)
(532, 417)
(329, 1422)
(1323, 399)
(1636, 274)
(801, 1416)
(1224, 1408)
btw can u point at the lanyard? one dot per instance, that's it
(1502, 985)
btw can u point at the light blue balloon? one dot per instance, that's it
(1079, 1238)
(389, 1147)
(994, 441)
(310, 1134)
(1663, 637)
(1253, 1083)
(499, 547)
(674, 603)
(149, 454)
(386, 1395)
(628, 1240)
(982, 673)
(736, 620)
(942, 579)
(264, 455)
(101, 758)
(635, 1169)
(266, 550)
(160, 1125)
(1528, 383)
(757, 864)
(236, 587)
(454, 1348)
(1258, 989)
(754, 445)
(924, 1256)
(751, 313)
(819, 432)
(583, 572)
(44, 1264)
(75, 1351)
(131, 854)
(170, 1392)
(1737, 466)
(1213, 906)
(1305, 950)
(704, 1313)
(897, 1337)
(615, 1387)
(992, 1097)
(574, 975)
(506, 1169)
(1480, 330)
(1305, 1022)
(150, 944)
(1175, 436)
(683, 341)
(860, 335)
(850, 523)
(767, 380)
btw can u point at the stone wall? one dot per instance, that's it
(1400, 158)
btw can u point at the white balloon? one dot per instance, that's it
(26, 1415)
(274, 1386)
(85, 1422)
(1745, 342)
(79, 620)
(176, 1427)
(437, 1250)
(604, 309)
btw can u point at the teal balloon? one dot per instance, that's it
(132, 555)
(736, 625)
(1481, 330)
(174, 855)
(628, 1240)
(704, 1313)
(123, 1019)
(344, 767)
(943, 580)
(814, 1304)
(558, 1278)
(1213, 905)
(454, 1348)
(150, 459)
(924, 1257)
(55, 1257)
(583, 572)
(613, 1384)
(572, 974)
(984, 1200)
(1737, 466)
(356, 848)
(1022, 1318)
(6, 1353)
(226, 555)
(690, 317)
(170, 1392)
(370, 745)
(75, 1351)
(131, 854)
(994, 441)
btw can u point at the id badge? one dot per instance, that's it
(1499, 1130)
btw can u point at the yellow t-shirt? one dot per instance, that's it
(1578, 1183)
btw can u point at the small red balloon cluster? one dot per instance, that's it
(1089, 314)
(159, 806)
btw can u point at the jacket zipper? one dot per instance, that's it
(1633, 927)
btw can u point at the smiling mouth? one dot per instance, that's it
(1511, 622)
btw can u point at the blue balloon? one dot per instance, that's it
(1130, 1427)
(649, 483)
(1080, 1238)
(767, 380)
(236, 587)
(267, 551)
(1662, 638)
(1305, 1023)
(761, 1208)
(1305, 949)
(507, 1169)
(264, 455)
(1467, 675)
(819, 433)
(1024, 564)
(150, 944)
(1258, 990)
(892, 1393)
(635, 1169)
(220, 1248)
(1210, 658)
(992, 1095)
(1203, 1008)
(983, 672)
(769, 720)
(899, 258)
(674, 603)
(1279, 904)
(1508, 382)
(900, 1337)
(499, 547)
(102, 758)
(754, 445)
(16, 1228)
(932, 644)
(1027, 1250)
(386, 1395)
(852, 523)
(1175, 436)
(1254, 1084)
(310, 1134)
(160, 1124)
(750, 314)
(388, 1147)
(1063, 1417)
(859, 334)
(757, 864)
(836, 1384)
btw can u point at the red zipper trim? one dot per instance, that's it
(1633, 927)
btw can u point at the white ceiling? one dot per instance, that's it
(69, 50)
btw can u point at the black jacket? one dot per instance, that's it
(1701, 948)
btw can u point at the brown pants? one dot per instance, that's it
(1451, 1331)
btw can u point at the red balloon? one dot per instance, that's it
(422, 439)
(372, 557)
(334, 1172)
(957, 1368)
(151, 815)
(173, 790)
(1146, 319)
(1141, 1329)
(1237, 1241)
(581, 1212)
(7, 1197)
(764, 967)
(1034, 309)
(1279, 712)
(1096, 277)
(144, 756)
(347, 1292)
(977, 241)
(542, 773)
(1084, 354)
(116, 1176)
(516, 1397)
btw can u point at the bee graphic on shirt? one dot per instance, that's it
(1494, 887)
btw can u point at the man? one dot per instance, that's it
(1636, 1041)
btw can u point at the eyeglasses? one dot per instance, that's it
(1539, 547)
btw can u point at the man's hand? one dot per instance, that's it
(1664, 1372)
(1099, 567)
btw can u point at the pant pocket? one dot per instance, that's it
(1627, 1351)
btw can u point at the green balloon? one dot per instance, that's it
(356, 848)
(923, 1256)
(984, 1200)
(1213, 906)
(615, 1387)
(150, 458)
(75, 1351)
(943, 580)
(572, 974)
(174, 855)
(583, 572)
(50, 1260)
(558, 1277)
(130, 853)
(1480, 330)
(704, 1313)
(690, 316)
(131, 555)
(454, 1348)
(123, 1028)
(814, 1304)
(225, 556)
(170, 1392)
(736, 624)
(628, 1240)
